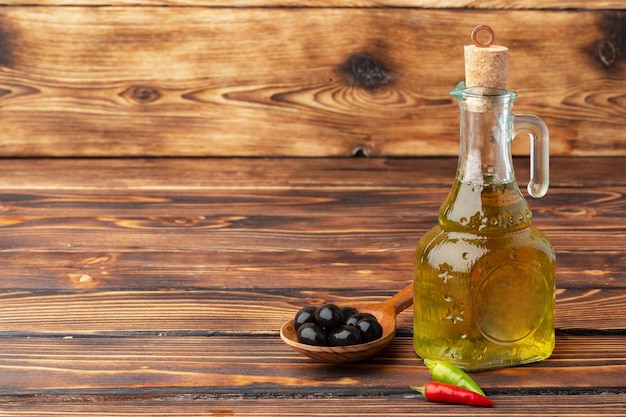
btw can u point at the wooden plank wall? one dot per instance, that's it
(277, 78)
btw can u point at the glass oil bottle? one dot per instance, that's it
(485, 276)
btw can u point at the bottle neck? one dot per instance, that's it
(486, 132)
(485, 198)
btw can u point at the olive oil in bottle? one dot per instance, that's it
(484, 282)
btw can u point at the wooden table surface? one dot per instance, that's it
(143, 287)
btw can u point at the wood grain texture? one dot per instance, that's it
(246, 231)
(157, 286)
(243, 175)
(193, 81)
(226, 366)
(217, 312)
(436, 4)
(409, 405)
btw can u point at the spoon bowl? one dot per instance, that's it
(385, 312)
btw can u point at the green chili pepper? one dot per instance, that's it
(447, 373)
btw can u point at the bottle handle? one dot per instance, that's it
(537, 130)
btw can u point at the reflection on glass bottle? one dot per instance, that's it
(484, 276)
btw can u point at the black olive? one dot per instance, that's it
(344, 336)
(304, 315)
(329, 316)
(353, 319)
(348, 311)
(329, 325)
(370, 329)
(312, 334)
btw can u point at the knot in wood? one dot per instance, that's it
(361, 151)
(366, 71)
(612, 48)
(142, 94)
(607, 53)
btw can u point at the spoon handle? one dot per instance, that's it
(402, 300)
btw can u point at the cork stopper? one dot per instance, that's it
(485, 63)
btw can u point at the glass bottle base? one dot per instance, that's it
(483, 355)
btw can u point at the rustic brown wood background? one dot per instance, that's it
(142, 287)
(144, 272)
(178, 78)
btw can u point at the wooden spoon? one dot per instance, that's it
(385, 312)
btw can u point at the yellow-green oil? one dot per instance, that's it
(484, 281)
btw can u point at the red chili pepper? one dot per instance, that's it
(447, 393)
